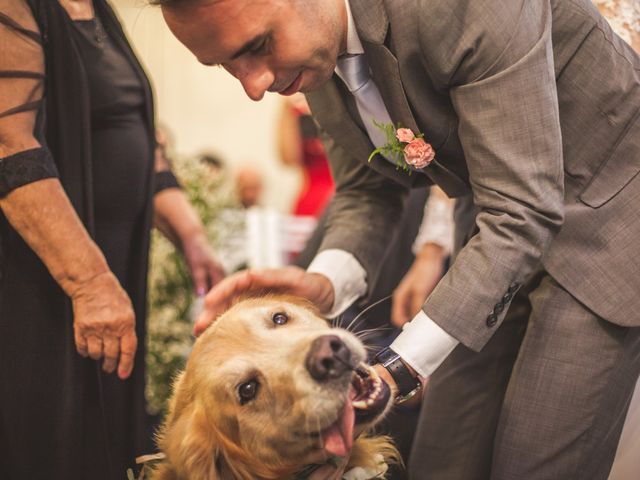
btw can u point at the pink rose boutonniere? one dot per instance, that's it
(407, 148)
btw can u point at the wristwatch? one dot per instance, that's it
(407, 384)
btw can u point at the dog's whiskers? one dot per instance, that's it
(336, 321)
(371, 331)
(353, 324)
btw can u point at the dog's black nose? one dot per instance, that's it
(328, 358)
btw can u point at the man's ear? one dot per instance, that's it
(191, 447)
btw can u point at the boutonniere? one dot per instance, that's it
(359, 473)
(405, 147)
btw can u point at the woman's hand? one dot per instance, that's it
(104, 323)
(417, 284)
(205, 269)
(291, 280)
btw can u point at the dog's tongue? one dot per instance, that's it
(338, 438)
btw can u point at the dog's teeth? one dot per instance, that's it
(360, 405)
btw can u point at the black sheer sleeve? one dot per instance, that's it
(21, 91)
(165, 179)
(25, 167)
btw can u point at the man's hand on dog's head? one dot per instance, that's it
(290, 280)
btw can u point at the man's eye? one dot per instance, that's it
(280, 318)
(248, 391)
(260, 47)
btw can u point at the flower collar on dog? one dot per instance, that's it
(356, 473)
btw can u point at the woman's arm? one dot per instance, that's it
(103, 316)
(178, 221)
(431, 247)
(39, 210)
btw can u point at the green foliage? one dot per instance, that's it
(169, 337)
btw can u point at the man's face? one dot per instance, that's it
(281, 46)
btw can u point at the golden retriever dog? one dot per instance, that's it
(266, 384)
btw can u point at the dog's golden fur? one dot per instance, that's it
(209, 435)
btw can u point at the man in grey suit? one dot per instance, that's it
(533, 110)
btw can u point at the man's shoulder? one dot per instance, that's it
(462, 39)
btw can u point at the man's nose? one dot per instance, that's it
(256, 79)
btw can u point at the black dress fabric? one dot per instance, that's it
(119, 147)
(60, 417)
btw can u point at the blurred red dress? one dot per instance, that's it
(317, 187)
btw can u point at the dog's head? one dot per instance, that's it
(265, 385)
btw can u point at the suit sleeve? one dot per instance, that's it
(496, 60)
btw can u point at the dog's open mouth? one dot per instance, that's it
(368, 397)
(369, 394)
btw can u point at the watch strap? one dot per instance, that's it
(406, 383)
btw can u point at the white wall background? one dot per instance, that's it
(204, 107)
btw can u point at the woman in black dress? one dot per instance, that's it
(77, 192)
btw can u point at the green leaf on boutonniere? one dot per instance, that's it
(394, 148)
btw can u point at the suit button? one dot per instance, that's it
(507, 298)
(492, 319)
(499, 308)
(513, 288)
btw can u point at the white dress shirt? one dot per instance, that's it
(423, 344)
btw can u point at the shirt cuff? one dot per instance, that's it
(347, 276)
(436, 226)
(423, 344)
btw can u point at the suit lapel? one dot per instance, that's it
(329, 108)
(329, 103)
(386, 75)
(372, 24)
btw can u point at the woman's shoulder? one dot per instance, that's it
(18, 14)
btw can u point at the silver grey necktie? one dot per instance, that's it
(354, 72)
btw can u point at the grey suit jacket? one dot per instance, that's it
(533, 107)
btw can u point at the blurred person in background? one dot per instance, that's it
(249, 186)
(301, 147)
(215, 164)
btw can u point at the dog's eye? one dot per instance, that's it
(248, 391)
(280, 318)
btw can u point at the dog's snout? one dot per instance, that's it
(328, 358)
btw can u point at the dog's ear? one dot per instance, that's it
(190, 446)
